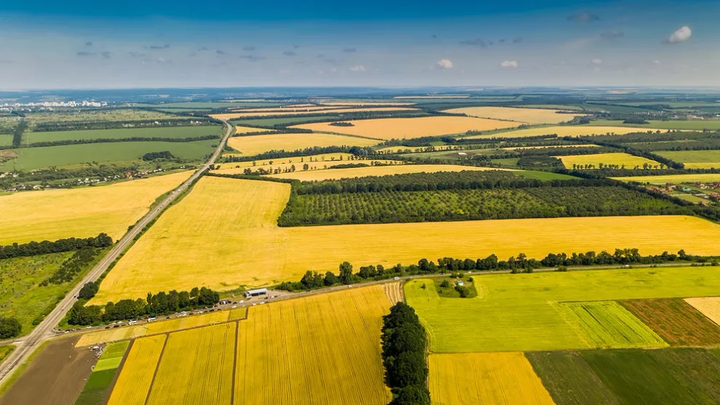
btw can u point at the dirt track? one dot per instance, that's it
(55, 377)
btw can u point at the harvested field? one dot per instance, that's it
(569, 130)
(709, 306)
(255, 144)
(56, 376)
(667, 376)
(405, 128)
(334, 174)
(524, 115)
(569, 379)
(81, 212)
(607, 324)
(131, 332)
(675, 321)
(674, 178)
(236, 222)
(246, 130)
(394, 292)
(485, 378)
(297, 351)
(306, 111)
(623, 160)
(137, 374)
(520, 312)
(196, 367)
(694, 159)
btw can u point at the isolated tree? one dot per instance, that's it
(346, 273)
(9, 327)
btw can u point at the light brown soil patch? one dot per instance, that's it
(394, 292)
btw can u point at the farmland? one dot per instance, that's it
(524, 312)
(623, 160)
(695, 159)
(239, 130)
(308, 111)
(334, 174)
(674, 178)
(675, 321)
(82, 212)
(569, 130)
(136, 375)
(196, 367)
(120, 114)
(119, 134)
(256, 144)
(276, 365)
(485, 378)
(95, 391)
(524, 115)
(405, 128)
(243, 236)
(709, 306)
(65, 155)
(697, 125)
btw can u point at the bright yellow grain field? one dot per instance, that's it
(231, 225)
(80, 212)
(130, 332)
(196, 367)
(674, 178)
(621, 159)
(485, 378)
(568, 130)
(299, 166)
(525, 115)
(137, 372)
(361, 103)
(330, 158)
(244, 130)
(323, 349)
(398, 128)
(709, 306)
(256, 144)
(332, 174)
(305, 111)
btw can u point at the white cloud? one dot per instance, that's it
(681, 35)
(509, 64)
(358, 68)
(596, 61)
(445, 64)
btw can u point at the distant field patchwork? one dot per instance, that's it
(525, 115)
(332, 174)
(405, 128)
(81, 212)
(568, 130)
(622, 160)
(255, 144)
(124, 133)
(674, 178)
(694, 159)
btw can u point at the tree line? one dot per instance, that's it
(166, 154)
(58, 246)
(162, 303)
(18, 133)
(403, 352)
(514, 264)
(87, 125)
(115, 140)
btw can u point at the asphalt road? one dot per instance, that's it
(27, 344)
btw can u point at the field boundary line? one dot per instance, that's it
(157, 366)
(111, 387)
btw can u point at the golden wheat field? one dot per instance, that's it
(245, 130)
(362, 103)
(568, 130)
(80, 212)
(625, 160)
(330, 158)
(674, 178)
(306, 111)
(300, 166)
(323, 349)
(524, 115)
(709, 306)
(485, 378)
(196, 367)
(232, 225)
(137, 373)
(398, 128)
(333, 174)
(130, 332)
(256, 144)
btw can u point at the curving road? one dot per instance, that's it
(27, 344)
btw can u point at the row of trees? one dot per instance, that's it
(58, 246)
(115, 140)
(155, 304)
(166, 154)
(403, 352)
(86, 125)
(515, 264)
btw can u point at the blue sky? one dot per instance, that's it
(84, 44)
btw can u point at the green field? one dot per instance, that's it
(160, 132)
(694, 159)
(523, 311)
(36, 158)
(95, 390)
(209, 105)
(685, 125)
(21, 296)
(6, 139)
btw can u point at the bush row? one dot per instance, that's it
(58, 246)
